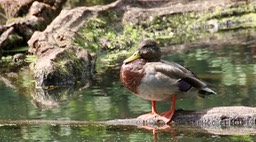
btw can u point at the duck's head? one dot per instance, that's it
(147, 50)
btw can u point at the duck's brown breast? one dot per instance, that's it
(132, 73)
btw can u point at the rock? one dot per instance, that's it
(7, 82)
(15, 8)
(19, 8)
(63, 66)
(9, 39)
(42, 99)
(60, 33)
(60, 61)
(26, 17)
(18, 58)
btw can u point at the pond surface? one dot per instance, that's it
(227, 64)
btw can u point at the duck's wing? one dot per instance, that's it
(177, 69)
(185, 78)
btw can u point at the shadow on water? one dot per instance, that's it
(226, 63)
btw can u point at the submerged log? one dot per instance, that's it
(217, 120)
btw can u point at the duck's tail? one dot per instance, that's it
(189, 82)
(205, 92)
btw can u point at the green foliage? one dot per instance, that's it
(115, 39)
(179, 28)
(99, 35)
(18, 49)
(66, 64)
(6, 58)
(30, 58)
(244, 138)
(187, 27)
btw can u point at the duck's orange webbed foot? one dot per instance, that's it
(153, 115)
(169, 114)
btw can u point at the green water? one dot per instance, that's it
(227, 65)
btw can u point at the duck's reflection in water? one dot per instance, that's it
(164, 128)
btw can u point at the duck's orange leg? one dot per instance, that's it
(153, 107)
(153, 114)
(169, 114)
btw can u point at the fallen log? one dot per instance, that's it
(218, 120)
(217, 116)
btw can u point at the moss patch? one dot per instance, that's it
(68, 67)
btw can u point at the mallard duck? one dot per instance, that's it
(153, 79)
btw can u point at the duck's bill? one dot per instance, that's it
(134, 56)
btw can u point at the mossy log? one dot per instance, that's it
(225, 120)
